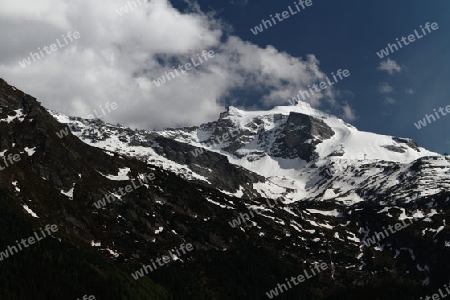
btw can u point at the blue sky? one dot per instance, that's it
(119, 57)
(346, 35)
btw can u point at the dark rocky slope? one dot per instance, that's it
(243, 262)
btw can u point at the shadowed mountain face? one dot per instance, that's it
(283, 192)
(299, 136)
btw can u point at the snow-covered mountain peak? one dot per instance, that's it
(329, 136)
(292, 147)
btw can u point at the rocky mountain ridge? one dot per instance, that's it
(329, 204)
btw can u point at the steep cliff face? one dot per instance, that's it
(299, 136)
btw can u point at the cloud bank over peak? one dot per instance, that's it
(118, 57)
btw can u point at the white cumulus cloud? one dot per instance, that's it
(389, 66)
(117, 58)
